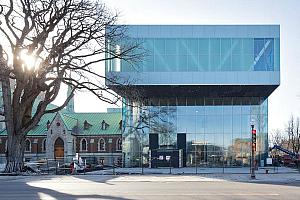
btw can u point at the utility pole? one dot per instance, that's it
(253, 149)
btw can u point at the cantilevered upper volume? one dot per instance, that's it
(206, 60)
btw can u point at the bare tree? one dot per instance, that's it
(290, 132)
(156, 119)
(293, 133)
(45, 44)
(296, 137)
(277, 138)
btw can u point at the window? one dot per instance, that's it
(101, 145)
(27, 145)
(119, 144)
(83, 145)
(44, 145)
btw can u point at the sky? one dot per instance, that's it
(285, 100)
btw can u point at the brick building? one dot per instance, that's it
(96, 137)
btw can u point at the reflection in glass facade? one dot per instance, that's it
(205, 54)
(218, 132)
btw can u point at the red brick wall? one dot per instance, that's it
(93, 147)
(36, 147)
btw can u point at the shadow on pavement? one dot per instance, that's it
(43, 187)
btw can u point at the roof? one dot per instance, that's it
(95, 121)
(204, 31)
(72, 119)
(41, 127)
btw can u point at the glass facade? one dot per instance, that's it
(200, 87)
(204, 54)
(218, 131)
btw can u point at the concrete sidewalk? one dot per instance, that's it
(192, 170)
(263, 178)
(280, 175)
(243, 178)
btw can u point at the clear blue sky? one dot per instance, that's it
(285, 101)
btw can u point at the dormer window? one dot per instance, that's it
(48, 125)
(104, 125)
(86, 125)
(120, 125)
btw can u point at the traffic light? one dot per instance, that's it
(254, 146)
(253, 136)
(254, 140)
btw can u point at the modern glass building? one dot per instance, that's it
(199, 88)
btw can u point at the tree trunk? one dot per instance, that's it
(14, 154)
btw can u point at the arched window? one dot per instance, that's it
(44, 145)
(83, 145)
(101, 144)
(27, 145)
(119, 144)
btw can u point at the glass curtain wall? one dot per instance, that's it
(218, 132)
(202, 54)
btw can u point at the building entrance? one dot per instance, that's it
(58, 148)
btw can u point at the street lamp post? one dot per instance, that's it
(253, 147)
(142, 158)
(196, 143)
(195, 158)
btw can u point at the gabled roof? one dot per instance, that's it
(95, 120)
(41, 127)
(72, 119)
(69, 121)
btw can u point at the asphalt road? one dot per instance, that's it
(141, 187)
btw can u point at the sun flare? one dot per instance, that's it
(29, 61)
